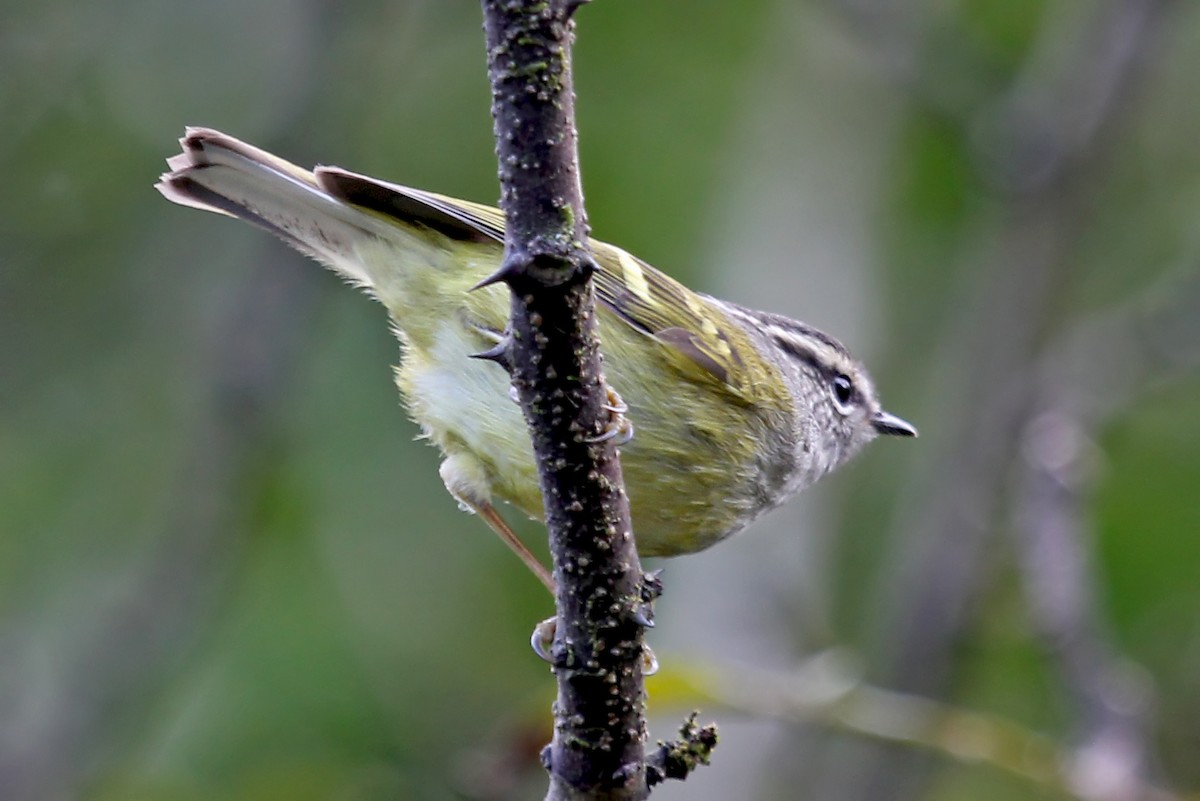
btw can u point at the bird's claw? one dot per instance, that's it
(542, 642)
(618, 426)
(649, 661)
(542, 639)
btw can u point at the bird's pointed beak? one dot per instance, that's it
(891, 424)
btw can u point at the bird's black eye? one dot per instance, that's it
(843, 392)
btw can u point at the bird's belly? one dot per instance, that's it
(689, 479)
(676, 507)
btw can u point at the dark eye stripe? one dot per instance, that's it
(793, 348)
(829, 373)
(798, 350)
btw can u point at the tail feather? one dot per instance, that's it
(459, 220)
(221, 174)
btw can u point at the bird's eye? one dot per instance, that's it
(843, 393)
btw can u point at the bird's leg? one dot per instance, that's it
(496, 523)
(463, 480)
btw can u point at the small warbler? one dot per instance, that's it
(735, 410)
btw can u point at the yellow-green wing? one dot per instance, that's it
(663, 308)
(644, 298)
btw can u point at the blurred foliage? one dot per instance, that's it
(227, 572)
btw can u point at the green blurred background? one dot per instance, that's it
(227, 571)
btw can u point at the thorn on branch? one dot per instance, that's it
(677, 758)
(551, 266)
(508, 270)
(500, 353)
(643, 615)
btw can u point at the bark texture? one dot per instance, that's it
(599, 732)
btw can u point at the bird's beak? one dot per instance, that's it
(891, 424)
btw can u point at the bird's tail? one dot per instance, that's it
(221, 174)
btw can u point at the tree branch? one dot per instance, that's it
(677, 758)
(599, 732)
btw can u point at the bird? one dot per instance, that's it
(723, 412)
